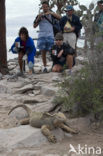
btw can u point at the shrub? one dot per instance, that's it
(83, 94)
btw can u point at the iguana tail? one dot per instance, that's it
(28, 110)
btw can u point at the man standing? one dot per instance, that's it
(70, 25)
(46, 35)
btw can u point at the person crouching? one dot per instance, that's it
(24, 46)
(61, 54)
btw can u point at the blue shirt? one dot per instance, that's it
(46, 28)
(29, 48)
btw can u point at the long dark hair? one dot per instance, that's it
(23, 30)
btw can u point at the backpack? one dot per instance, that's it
(56, 25)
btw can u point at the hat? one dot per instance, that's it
(100, 2)
(59, 36)
(69, 7)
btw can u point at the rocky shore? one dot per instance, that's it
(36, 91)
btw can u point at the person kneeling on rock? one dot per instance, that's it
(24, 46)
(61, 54)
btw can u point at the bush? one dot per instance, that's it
(83, 94)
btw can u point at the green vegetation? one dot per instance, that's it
(82, 94)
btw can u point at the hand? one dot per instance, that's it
(69, 29)
(40, 17)
(47, 13)
(53, 14)
(53, 52)
(72, 29)
(17, 44)
(50, 13)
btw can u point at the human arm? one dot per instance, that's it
(38, 19)
(69, 26)
(53, 14)
(77, 24)
(30, 46)
(54, 54)
(15, 46)
(71, 29)
(63, 21)
(68, 49)
(60, 53)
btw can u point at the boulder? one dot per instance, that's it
(81, 60)
(48, 90)
(1, 76)
(25, 137)
(24, 89)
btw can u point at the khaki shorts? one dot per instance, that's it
(71, 39)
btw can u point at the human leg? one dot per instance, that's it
(69, 61)
(31, 65)
(41, 45)
(44, 44)
(71, 39)
(20, 56)
(57, 68)
(49, 42)
(43, 53)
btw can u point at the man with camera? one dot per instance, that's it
(46, 34)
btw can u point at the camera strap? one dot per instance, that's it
(48, 20)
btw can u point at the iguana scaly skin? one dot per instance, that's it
(45, 121)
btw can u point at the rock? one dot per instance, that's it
(4, 89)
(31, 101)
(38, 85)
(1, 76)
(48, 90)
(36, 92)
(30, 153)
(25, 137)
(31, 94)
(11, 67)
(24, 89)
(81, 60)
(56, 79)
(18, 113)
(77, 68)
(38, 70)
(43, 107)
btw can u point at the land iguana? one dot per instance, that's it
(46, 122)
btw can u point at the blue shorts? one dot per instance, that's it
(45, 43)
